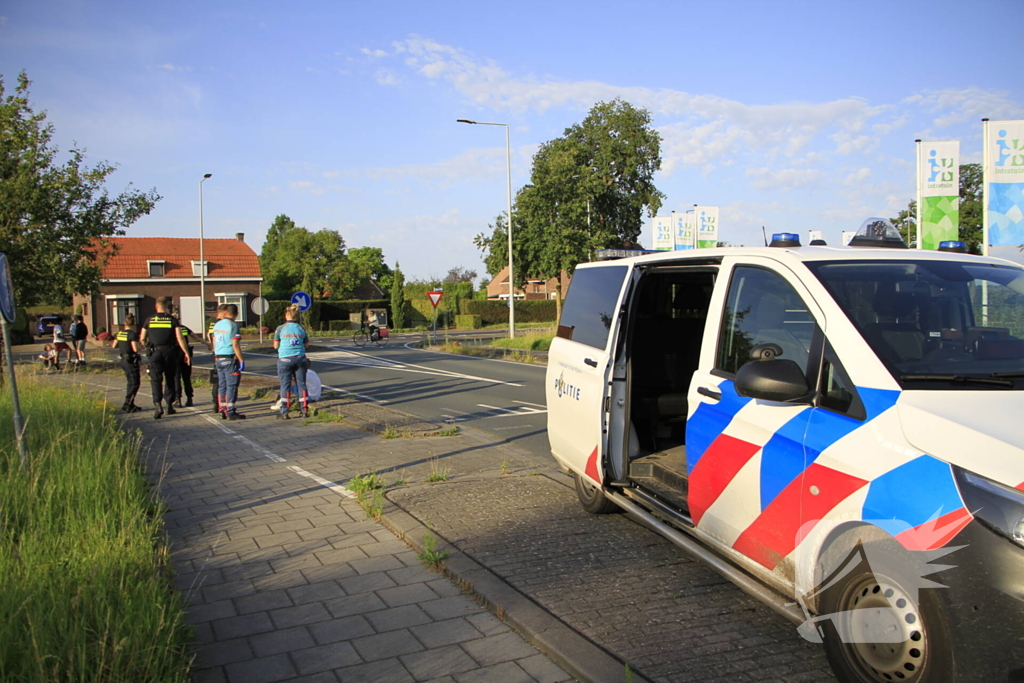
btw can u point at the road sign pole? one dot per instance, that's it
(19, 421)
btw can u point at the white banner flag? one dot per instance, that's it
(1004, 182)
(938, 177)
(663, 237)
(684, 231)
(707, 226)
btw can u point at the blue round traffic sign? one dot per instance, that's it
(303, 299)
(6, 290)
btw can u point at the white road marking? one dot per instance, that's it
(535, 405)
(505, 412)
(334, 486)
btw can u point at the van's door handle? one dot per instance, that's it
(589, 361)
(710, 393)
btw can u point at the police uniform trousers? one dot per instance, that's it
(184, 376)
(163, 371)
(130, 365)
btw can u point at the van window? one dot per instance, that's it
(762, 308)
(590, 305)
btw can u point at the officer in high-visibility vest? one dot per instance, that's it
(163, 333)
(183, 374)
(227, 356)
(127, 344)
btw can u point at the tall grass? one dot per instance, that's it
(85, 591)
(528, 342)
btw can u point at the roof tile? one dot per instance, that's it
(227, 257)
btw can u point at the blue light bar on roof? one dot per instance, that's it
(954, 246)
(785, 239)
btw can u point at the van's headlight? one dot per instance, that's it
(998, 505)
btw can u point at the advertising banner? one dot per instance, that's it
(1004, 182)
(663, 238)
(707, 226)
(684, 230)
(938, 177)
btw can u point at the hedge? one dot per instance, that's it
(468, 322)
(494, 312)
(322, 312)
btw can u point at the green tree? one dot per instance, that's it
(51, 213)
(588, 190)
(367, 263)
(398, 297)
(906, 222)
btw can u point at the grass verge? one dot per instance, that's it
(85, 590)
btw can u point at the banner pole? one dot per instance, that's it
(917, 218)
(984, 187)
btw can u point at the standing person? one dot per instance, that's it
(290, 340)
(164, 333)
(183, 378)
(227, 356)
(214, 375)
(79, 333)
(58, 340)
(127, 344)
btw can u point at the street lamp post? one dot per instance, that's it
(508, 170)
(202, 262)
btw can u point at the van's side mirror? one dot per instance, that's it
(773, 380)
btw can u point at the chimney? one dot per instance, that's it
(240, 236)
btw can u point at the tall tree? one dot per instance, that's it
(906, 222)
(588, 190)
(398, 297)
(367, 264)
(52, 214)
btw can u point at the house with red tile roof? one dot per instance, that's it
(138, 270)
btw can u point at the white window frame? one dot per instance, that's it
(154, 262)
(198, 266)
(237, 298)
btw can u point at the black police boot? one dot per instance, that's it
(159, 412)
(133, 409)
(235, 416)
(188, 402)
(170, 408)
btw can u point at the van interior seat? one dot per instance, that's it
(897, 333)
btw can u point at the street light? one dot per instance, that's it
(508, 169)
(202, 261)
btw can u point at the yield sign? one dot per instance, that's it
(435, 297)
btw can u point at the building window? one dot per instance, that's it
(196, 268)
(123, 307)
(156, 268)
(237, 299)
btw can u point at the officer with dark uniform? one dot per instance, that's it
(163, 332)
(183, 376)
(127, 344)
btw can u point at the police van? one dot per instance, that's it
(837, 430)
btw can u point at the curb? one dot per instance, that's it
(577, 655)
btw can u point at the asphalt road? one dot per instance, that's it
(503, 398)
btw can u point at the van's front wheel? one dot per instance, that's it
(592, 498)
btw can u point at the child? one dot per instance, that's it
(49, 357)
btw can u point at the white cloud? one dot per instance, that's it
(306, 186)
(857, 177)
(172, 67)
(784, 179)
(373, 54)
(386, 77)
(954, 106)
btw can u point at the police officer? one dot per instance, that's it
(227, 357)
(183, 376)
(163, 332)
(127, 344)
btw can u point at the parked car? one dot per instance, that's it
(45, 325)
(821, 425)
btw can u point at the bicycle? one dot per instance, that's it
(377, 335)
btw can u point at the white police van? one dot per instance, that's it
(839, 431)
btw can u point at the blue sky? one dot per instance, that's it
(792, 115)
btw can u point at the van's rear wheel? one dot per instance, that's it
(879, 601)
(592, 498)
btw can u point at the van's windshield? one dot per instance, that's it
(936, 324)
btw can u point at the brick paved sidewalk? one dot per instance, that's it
(286, 578)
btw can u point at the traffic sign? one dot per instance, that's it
(435, 297)
(7, 290)
(303, 300)
(259, 305)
